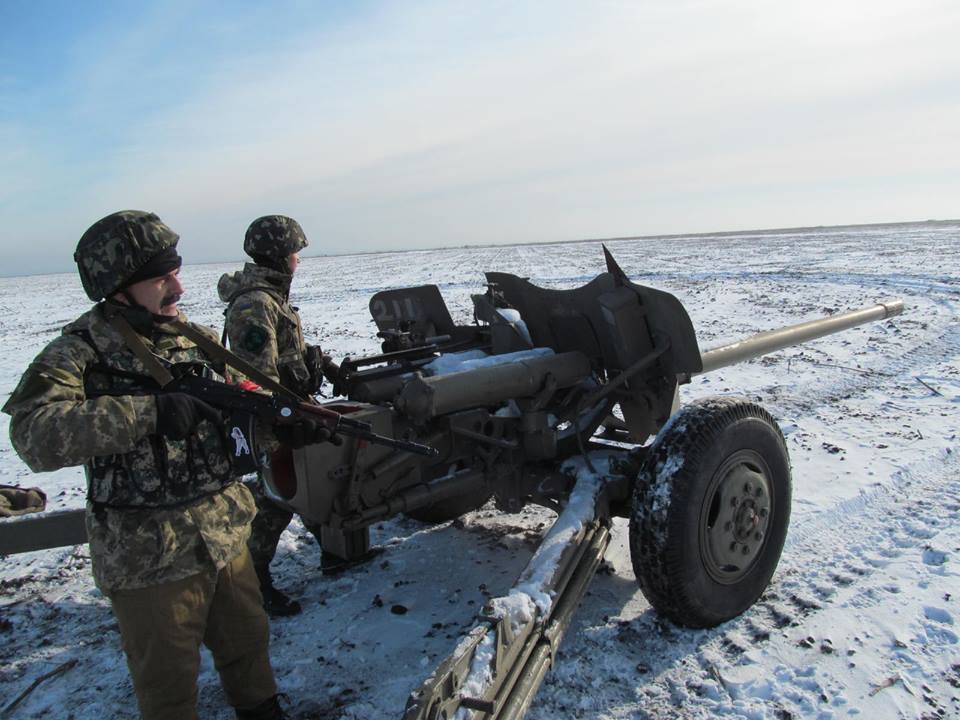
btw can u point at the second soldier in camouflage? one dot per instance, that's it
(264, 329)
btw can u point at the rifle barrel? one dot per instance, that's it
(408, 445)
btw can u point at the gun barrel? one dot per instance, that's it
(767, 342)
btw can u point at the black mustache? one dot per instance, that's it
(170, 299)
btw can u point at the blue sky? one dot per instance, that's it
(389, 125)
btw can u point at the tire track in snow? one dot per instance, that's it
(862, 537)
(919, 284)
(938, 344)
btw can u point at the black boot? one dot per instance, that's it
(275, 602)
(269, 709)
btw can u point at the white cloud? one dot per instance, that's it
(440, 123)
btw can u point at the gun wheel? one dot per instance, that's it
(710, 511)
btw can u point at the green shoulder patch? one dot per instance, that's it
(254, 339)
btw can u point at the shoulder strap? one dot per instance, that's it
(102, 366)
(85, 335)
(153, 366)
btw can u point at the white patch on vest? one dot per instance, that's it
(242, 447)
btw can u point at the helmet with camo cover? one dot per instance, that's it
(114, 248)
(274, 236)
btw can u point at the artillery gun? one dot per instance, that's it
(563, 398)
(505, 401)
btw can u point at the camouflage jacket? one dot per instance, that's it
(263, 328)
(159, 509)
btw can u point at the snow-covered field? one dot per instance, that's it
(862, 615)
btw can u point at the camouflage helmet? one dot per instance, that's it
(114, 248)
(274, 236)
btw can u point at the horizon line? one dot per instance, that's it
(657, 236)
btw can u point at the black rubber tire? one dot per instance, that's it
(694, 502)
(451, 508)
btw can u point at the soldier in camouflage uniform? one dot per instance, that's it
(166, 518)
(264, 329)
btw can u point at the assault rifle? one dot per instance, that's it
(282, 407)
(277, 410)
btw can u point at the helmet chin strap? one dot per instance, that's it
(130, 300)
(272, 263)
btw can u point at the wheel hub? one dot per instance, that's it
(735, 518)
(746, 520)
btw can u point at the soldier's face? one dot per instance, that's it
(294, 261)
(159, 295)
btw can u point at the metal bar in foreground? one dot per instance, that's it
(28, 533)
(497, 668)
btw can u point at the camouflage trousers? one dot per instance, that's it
(267, 527)
(162, 627)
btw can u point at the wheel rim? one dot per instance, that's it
(735, 516)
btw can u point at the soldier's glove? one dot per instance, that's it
(178, 414)
(303, 432)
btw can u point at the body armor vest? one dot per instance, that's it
(157, 472)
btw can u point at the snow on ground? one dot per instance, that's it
(862, 618)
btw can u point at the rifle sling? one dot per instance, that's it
(153, 366)
(217, 352)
